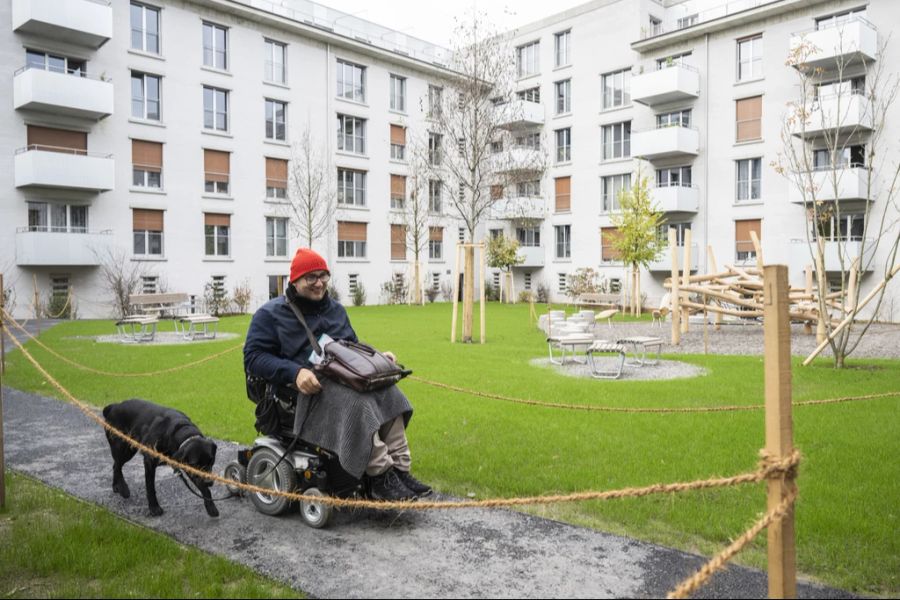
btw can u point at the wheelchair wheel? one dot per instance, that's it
(260, 472)
(315, 514)
(236, 472)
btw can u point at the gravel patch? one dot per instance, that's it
(664, 369)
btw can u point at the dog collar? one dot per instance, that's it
(184, 443)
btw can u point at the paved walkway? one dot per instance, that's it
(460, 553)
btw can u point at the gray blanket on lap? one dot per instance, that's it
(343, 421)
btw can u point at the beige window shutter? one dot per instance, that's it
(398, 242)
(398, 185)
(276, 172)
(217, 165)
(436, 234)
(608, 236)
(146, 155)
(748, 112)
(398, 135)
(57, 140)
(349, 231)
(150, 220)
(217, 219)
(563, 194)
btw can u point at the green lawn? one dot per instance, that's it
(56, 546)
(847, 514)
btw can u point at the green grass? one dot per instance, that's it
(847, 514)
(55, 546)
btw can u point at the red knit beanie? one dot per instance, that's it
(305, 261)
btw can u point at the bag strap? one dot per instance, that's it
(309, 333)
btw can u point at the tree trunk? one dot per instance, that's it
(468, 294)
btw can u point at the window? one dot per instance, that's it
(674, 177)
(37, 59)
(656, 26)
(563, 96)
(847, 156)
(217, 171)
(673, 60)
(147, 232)
(462, 234)
(615, 88)
(146, 164)
(277, 285)
(608, 251)
(398, 191)
(436, 249)
(563, 194)
(679, 118)
(564, 144)
(435, 151)
(352, 282)
(149, 284)
(144, 28)
(496, 278)
(215, 46)
(744, 248)
(563, 241)
(217, 230)
(528, 59)
(846, 227)
(434, 195)
(276, 178)
(435, 99)
(275, 120)
(615, 285)
(57, 218)
(749, 174)
(611, 187)
(748, 119)
(687, 21)
(351, 239)
(144, 96)
(351, 81)
(562, 283)
(749, 58)
(562, 47)
(398, 242)
(351, 187)
(527, 284)
(218, 287)
(276, 53)
(854, 85)
(215, 109)
(398, 142)
(276, 236)
(530, 95)
(351, 134)
(532, 141)
(836, 20)
(617, 140)
(528, 237)
(435, 281)
(59, 286)
(528, 189)
(662, 232)
(398, 93)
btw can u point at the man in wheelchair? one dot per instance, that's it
(367, 431)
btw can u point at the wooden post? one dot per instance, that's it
(821, 285)
(37, 303)
(455, 297)
(483, 269)
(779, 428)
(807, 327)
(714, 269)
(757, 247)
(850, 300)
(687, 277)
(468, 292)
(2, 337)
(676, 310)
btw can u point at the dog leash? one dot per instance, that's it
(199, 495)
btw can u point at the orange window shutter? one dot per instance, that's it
(217, 219)
(563, 194)
(349, 231)
(150, 220)
(398, 185)
(146, 155)
(276, 173)
(398, 242)
(398, 135)
(217, 165)
(436, 234)
(608, 237)
(57, 140)
(748, 114)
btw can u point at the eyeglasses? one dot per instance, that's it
(311, 278)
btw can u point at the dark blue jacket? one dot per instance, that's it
(277, 346)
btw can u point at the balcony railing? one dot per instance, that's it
(82, 22)
(837, 43)
(715, 12)
(71, 92)
(676, 197)
(532, 256)
(850, 248)
(840, 113)
(518, 114)
(75, 247)
(668, 83)
(39, 165)
(665, 142)
(827, 183)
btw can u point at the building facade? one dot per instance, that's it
(159, 134)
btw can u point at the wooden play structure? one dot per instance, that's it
(738, 292)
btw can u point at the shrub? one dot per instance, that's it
(395, 290)
(446, 291)
(525, 296)
(586, 281)
(543, 293)
(432, 293)
(491, 293)
(215, 297)
(358, 295)
(242, 295)
(59, 307)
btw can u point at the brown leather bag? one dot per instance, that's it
(356, 365)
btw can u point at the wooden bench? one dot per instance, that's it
(191, 327)
(608, 348)
(137, 328)
(591, 299)
(158, 304)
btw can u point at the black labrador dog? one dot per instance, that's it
(172, 433)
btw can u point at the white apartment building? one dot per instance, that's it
(162, 130)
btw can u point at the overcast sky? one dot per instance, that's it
(433, 20)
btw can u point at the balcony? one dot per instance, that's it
(801, 255)
(533, 256)
(665, 142)
(852, 184)
(62, 93)
(64, 168)
(61, 248)
(668, 84)
(518, 159)
(676, 198)
(519, 207)
(835, 114)
(520, 114)
(82, 22)
(852, 42)
(664, 262)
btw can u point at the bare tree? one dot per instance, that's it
(832, 135)
(418, 216)
(472, 146)
(311, 196)
(121, 277)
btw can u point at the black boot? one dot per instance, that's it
(414, 485)
(389, 487)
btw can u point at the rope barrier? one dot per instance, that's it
(82, 367)
(623, 409)
(701, 577)
(62, 310)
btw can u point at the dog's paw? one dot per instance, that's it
(156, 511)
(211, 509)
(122, 489)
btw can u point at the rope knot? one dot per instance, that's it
(774, 467)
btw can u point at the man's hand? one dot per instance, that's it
(390, 355)
(307, 382)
